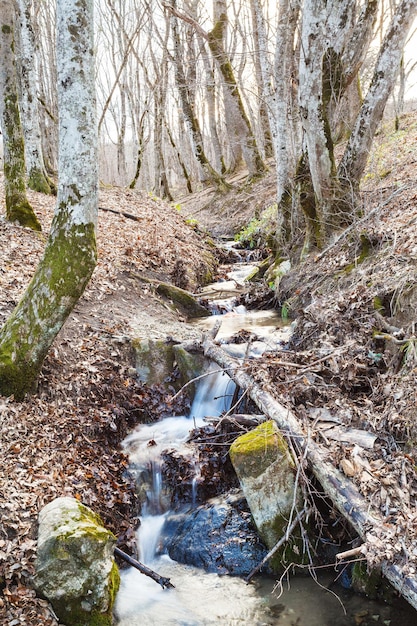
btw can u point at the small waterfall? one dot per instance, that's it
(145, 445)
(201, 598)
(150, 530)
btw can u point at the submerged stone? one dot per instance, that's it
(218, 536)
(75, 567)
(266, 474)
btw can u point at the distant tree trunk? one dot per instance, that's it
(161, 184)
(242, 128)
(70, 254)
(17, 205)
(355, 157)
(285, 134)
(190, 118)
(211, 106)
(36, 172)
(258, 40)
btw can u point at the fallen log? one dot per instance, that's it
(343, 493)
(161, 580)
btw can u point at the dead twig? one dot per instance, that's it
(161, 580)
(277, 546)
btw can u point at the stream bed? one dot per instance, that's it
(201, 598)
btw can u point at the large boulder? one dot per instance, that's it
(218, 536)
(266, 473)
(75, 568)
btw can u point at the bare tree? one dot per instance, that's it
(17, 205)
(70, 254)
(36, 172)
(333, 46)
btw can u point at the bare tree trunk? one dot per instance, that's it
(36, 172)
(211, 107)
(284, 112)
(44, 32)
(355, 157)
(190, 118)
(315, 124)
(258, 40)
(70, 254)
(17, 205)
(241, 125)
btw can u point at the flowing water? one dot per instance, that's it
(205, 599)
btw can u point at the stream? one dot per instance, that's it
(203, 598)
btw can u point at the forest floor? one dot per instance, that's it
(64, 440)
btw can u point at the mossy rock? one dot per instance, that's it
(371, 583)
(190, 366)
(266, 473)
(75, 568)
(154, 360)
(182, 299)
(276, 271)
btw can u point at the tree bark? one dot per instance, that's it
(283, 108)
(238, 117)
(190, 118)
(17, 205)
(355, 157)
(35, 168)
(313, 115)
(70, 254)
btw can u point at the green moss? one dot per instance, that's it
(378, 304)
(315, 231)
(371, 583)
(258, 449)
(183, 299)
(59, 281)
(81, 606)
(17, 206)
(38, 181)
(19, 210)
(365, 251)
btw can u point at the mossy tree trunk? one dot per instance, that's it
(18, 207)
(37, 177)
(70, 254)
(334, 42)
(238, 118)
(190, 118)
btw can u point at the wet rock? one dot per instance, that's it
(75, 568)
(266, 474)
(218, 537)
(182, 299)
(190, 366)
(154, 361)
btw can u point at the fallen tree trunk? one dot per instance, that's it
(343, 493)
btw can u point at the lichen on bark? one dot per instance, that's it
(70, 255)
(18, 207)
(59, 281)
